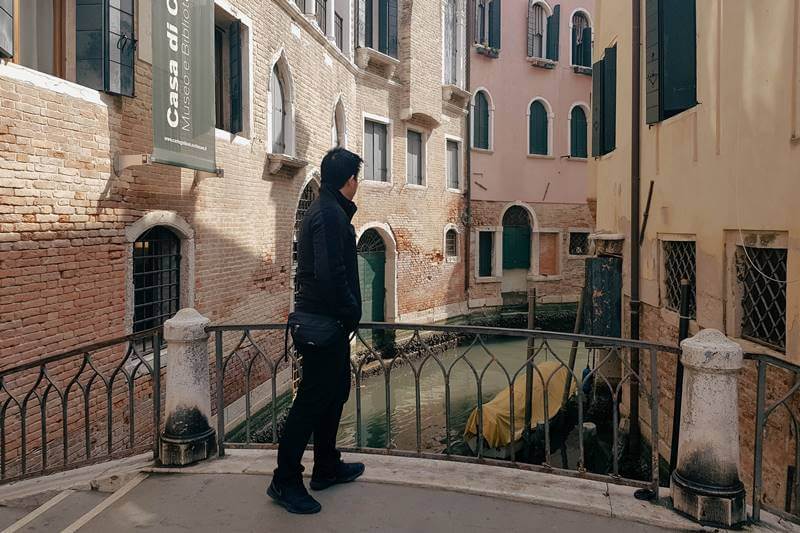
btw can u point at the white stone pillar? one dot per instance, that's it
(706, 484)
(188, 436)
(330, 21)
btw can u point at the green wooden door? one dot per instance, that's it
(372, 272)
(516, 247)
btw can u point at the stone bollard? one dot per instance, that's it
(706, 485)
(188, 437)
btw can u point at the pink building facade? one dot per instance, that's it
(531, 82)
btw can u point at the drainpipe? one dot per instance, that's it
(468, 150)
(636, 37)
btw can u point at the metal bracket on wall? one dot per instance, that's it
(122, 162)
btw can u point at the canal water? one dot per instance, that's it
(511, 353)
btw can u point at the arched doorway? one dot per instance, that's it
(372, 273)
(516, 239)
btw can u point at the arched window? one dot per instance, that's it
(537, 27)
(481, 19)
(481, 121)
(516, 238)
(538, 141)
(581, 40)
(487, 22)
(577, 133)
(339, 130)
(156, 279)
(451, 50)
(279, 106)
(451, 245)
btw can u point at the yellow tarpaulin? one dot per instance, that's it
(497, 414)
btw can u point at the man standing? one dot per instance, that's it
(328, 291)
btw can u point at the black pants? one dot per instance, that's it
(317, 409)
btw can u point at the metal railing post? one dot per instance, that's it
(220, 394)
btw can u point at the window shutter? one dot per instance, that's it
(391, 48)
(481, 121)
(538, 129)
(278, 114)
(452, 161)
(90, 44)
(610, 100)
(485, 244)
(369, 150)
(6, 28)
(679, 57)
(585, 56)
(653, 62)
(235, 46)
(480, 23)
(494, 24)
(380, 152)
(578, 133)
(553, 28)
(598, 72)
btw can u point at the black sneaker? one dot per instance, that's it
(293, 497)
(345, 473)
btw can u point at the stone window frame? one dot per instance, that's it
(733, 293)
(339, 123)
(497, 253)
(459, 248)
(490, 102)
(280, 64)
(389, 123)
(569, 232)
(460, 35)
(245, 136)
(550, 127)
(425, 137)
(535, 272)
(183, 230)
(587, 113)
(548, 11)
(585, 12)
(460, 142)
(674, 316)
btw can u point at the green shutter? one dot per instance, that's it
(553, 26)
(494, 24)
(485, 244)
(598, 73)
(105, 45)
(235, 46)
(585, 54)
(6, 28)
(366, 26)
(578, 133)
(516, 247)
(481, 121)
(610, 100)
(537, 135)
(653, 62)
(391, 45)
(679, 57)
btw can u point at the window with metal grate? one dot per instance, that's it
(680, 263)
(579, 243)
(761, 273)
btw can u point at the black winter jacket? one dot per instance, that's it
(327, 269)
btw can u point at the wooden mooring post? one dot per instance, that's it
(526, 434)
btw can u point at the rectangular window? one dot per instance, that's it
(379, 27)
(229, 61)
(485, 254)
(338, 31)
(604, 103)
(415, 170)
(761, 273)
(579, 243)
(680, 263)
(375, 151)
(671, 55)
(453, 165)
(322, 15)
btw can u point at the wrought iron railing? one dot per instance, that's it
(83, 406)
(418, 350)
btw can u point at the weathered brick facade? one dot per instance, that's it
(66, 219)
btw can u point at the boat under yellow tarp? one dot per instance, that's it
(497, 413)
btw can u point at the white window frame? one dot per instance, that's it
(389, 149)
(280, 62)
(460, 142)
(550, 119)
(536, 245)
(585, 13)
(548, 11)
(490, 102)
(461, 42)
(497, 253)
(247, 77)
(448, 258)
(586, 108)
(339, 103)
(424, 140)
